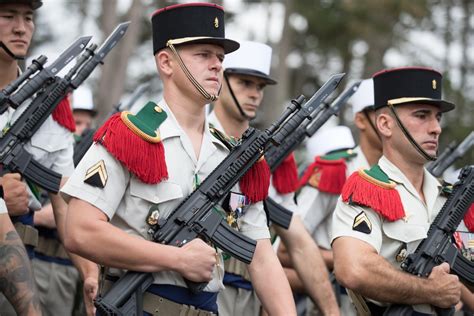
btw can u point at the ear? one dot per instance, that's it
(384, 123)
(163, 60)
(360, 121)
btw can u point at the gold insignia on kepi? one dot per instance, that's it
(433, 84)
(362, 223)
(216, 22)
(96, 175)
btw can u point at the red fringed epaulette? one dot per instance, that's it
(135, 142)
(469, 219)
(63, 115)
(372, 188)
(325, 175)
(254, 184)
(285, 176)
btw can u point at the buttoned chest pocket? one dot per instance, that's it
(156, 193)
(405, 233)
(44, 144)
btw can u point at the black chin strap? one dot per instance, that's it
(423, 153)
(237, 104)
(10, 53)
(366, 114)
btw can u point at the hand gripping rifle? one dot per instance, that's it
(450, 155)
(438, 246)
(275, 155)
(87, 137)
(30, 85)
(195, 216)
(12, 154)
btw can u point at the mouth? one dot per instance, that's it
(19, 42)
(432, 144)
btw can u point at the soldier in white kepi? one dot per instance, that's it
(247, 73)
(148, 163)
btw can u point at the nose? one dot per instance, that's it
(216, 63)
(19, 26)
(435, 127)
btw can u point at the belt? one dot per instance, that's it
(237, 267)
(27, 233)
(237, 281)
(165, 299)
(51, 248)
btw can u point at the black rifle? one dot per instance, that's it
(195, 216)
(275, 155)
(450, 155)
(30, 85)
(438, 246)
(87, 137)
(13, 156)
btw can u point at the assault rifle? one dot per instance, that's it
(438, 246)
(195, 216)
(450, 155)
(87, 137)
(31, 84)
(12, 154)
(275, 155)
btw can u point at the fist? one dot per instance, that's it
(15, 194)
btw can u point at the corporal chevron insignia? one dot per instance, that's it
(96, 175)
(362, 223)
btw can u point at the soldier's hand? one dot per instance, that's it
(198, 261)
(446, 286)
(14, 194)
(90, 288)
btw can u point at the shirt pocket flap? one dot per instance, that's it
(49, 142)
(156, 193)
(404, 232)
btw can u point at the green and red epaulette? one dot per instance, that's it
(446, 190)
(373, 188)
(256, 181)
(62, 114)
(285, 176)
(135, 141)
(328, 173)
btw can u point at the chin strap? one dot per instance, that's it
(237, 104)
(366, 113)
(423, 153)
(188, 74)
(10, 53)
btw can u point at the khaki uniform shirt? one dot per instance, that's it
(317, 207)
(52, 145)
(126, 200)
(390, 238)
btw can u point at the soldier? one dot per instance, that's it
(246, 75)
(152, 161)
(385, 211)
(51, 145)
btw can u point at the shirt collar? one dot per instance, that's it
(212, 119)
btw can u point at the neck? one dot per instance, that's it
(412, 169)
(371, 153)
(189, 113)
(9, 71)
(232, 127)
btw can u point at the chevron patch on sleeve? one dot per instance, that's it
(362, 223)
(96, 175)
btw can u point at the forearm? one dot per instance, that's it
(467, 298)
(327, 258)
(276, 296)
(116, 248)
(310, 266)
(16, 278)
(373, 277)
